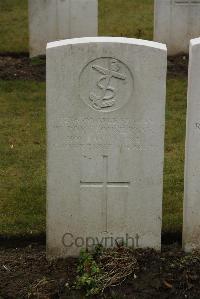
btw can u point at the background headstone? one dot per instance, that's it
(176, 22)
(51, 20)
(105, 121)
(191, 219)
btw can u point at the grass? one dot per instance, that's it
(174, 155)
(22, 122)
(14, 25)
(130, 18)
(22, 152)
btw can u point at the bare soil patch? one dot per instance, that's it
(178, 65)
(25, 273)
(20, 67)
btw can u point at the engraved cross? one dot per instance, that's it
(105, 184)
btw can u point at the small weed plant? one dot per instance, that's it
(104, 268)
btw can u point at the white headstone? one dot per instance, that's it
(176, 22)
(51, 20)
(105, 121)
(191, 219)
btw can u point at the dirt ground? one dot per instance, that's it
(25, 273)
(178, 66)
(19, 66)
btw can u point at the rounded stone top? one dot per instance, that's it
(101, 39)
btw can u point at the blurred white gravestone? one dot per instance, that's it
(51, 20)
(176, 22)
(105, 121)
(191, 219)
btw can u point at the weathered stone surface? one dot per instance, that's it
(191, 219)
(105, 121)
(176, 22)
(51, 20)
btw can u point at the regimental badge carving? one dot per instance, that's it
(106, 84)
(108, 96)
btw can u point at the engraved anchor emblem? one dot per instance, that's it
(108, 96)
